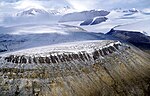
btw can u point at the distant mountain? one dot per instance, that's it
(140, 26)
(32, 16)
(33, 12)
(82, 16)
(133, 10)
(38, 11)
(94, 21)
(61, 11)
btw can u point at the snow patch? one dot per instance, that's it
(141, 26)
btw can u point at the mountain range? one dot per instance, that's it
(35, 23)
(65, 52)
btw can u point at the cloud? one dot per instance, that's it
(13, 5)
(21, 4)
(28, 3)
(83, 5)
(108, 4)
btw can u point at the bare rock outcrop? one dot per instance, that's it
(92, 68)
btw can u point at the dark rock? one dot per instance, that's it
(41, 59)
(53, 59)
(104, 50)
(35, 59)
(75, 56)
(47, 60)
(96, 55)
(3, 50)
(86, 22)
(10, 58)
(136, 38)
(23, 60)
(99, 20)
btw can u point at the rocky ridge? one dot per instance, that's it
(104, 68)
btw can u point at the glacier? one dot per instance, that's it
(58, 49)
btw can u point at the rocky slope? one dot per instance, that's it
(136, 38)
(90, 68)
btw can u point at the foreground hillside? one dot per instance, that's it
(87, 68)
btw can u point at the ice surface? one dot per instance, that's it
(141, 26)
(88, 46)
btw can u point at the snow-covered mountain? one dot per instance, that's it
(133, 10)
(42, 24)
(39, 11)
(140, 26)
(62, 11)
(115, 17)
(31, 16)
(82, 16)
(32, 12)
(35, 16)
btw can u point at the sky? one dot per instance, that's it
(80, 5)
(109, 4)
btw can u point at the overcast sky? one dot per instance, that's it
(13, 5)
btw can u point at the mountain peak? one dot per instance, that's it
(32, 12)
(132, 10)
